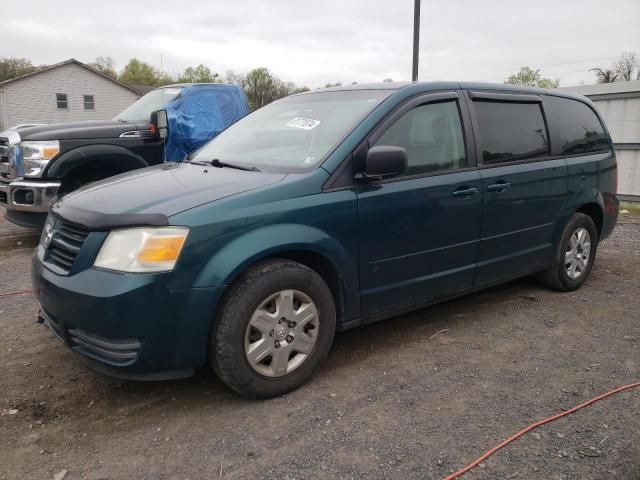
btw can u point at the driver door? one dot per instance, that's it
(419, 232)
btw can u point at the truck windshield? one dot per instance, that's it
(140, 111)
(293, 134)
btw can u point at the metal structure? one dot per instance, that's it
(416, 40)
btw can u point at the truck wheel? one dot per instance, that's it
(274, 329)
(575, 255)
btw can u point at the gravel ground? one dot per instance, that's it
(417, 396)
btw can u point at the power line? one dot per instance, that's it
(507, 70)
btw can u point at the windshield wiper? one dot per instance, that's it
(220, 164)
(195, 162)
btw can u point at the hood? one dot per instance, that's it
(138, 197)
(80, 130)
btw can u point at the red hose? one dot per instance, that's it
(517, 435)
(8, 294)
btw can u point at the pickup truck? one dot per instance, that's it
(40, 163)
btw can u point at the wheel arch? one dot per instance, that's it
(115, 156)
(596, 213)
(304, 244)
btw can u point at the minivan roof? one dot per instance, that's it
(445, 85)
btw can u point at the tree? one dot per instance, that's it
(532, 78)
(11, 67)
(626, 65)
(199, 74)
(137, 72)
(299, 90)
(233, 78)
(258, 85)
(329, 85)
(105, 65)
(604, 75)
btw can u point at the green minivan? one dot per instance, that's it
(318, 213)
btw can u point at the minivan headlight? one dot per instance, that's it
(142, 250)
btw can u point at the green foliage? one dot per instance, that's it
(329, 85)
(199, 74)
(532, 78)
(11, 67)
(105, 65)
(300, 90)
(137, 72)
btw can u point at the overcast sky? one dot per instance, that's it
(315, 42)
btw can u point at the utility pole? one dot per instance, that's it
(416, 39)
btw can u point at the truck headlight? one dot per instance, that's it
(142, 250)
(36, 154)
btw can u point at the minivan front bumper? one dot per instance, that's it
(127, 325)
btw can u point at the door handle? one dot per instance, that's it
(464, 192)
(498, 187)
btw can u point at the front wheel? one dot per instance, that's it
(275, 327)
(575, 255)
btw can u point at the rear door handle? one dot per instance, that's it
(498, 187)
(464, 191)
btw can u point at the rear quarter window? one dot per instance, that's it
(510, 131)
(574, 127)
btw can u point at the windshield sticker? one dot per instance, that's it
(303, 123)
(308, 160)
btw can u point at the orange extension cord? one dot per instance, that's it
(517, 435)
(8, 294)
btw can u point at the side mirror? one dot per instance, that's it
(159, 124)
(384, 162)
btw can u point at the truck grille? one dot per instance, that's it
(4, 159)
(65, 245)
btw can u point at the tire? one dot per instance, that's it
(557, 276)
(254, 319)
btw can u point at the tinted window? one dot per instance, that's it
(574, 127)
(432, 136)
(511, 131)
(61, 100)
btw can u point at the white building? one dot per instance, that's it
(65, 92)
(619, 104)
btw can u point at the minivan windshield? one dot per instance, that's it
(292, 134)
(140, 111)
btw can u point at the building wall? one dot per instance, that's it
(622, 117)
(33, 99)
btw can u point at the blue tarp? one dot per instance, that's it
(200, 113)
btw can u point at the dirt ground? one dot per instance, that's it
(417, 396)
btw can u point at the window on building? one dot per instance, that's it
(432, 136)
(89, 103)
(61, 100)
(510, 131)
(575, 128)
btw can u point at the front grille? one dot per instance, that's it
(65, 244)
(4, 158)
(117, 352)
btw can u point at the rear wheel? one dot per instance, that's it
(575, 255)
(275, 327)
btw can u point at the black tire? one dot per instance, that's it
(556, 276)
(227, 348)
